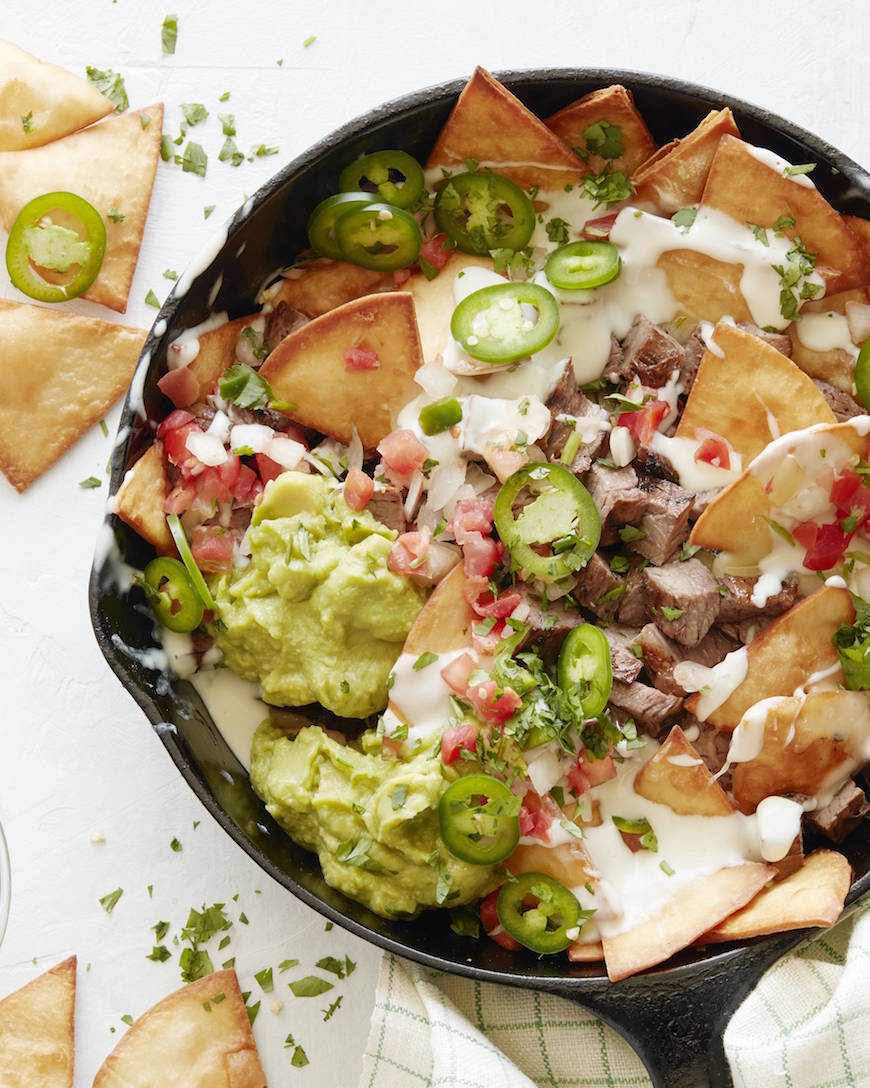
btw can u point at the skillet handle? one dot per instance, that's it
(675, 1020)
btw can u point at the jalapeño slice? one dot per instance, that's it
(56, 247)
(479, 819)
(171, 594)
(380, 237)
(540, 913)
(505, 322)
(199, 583)
(862, 374)
(582, 265)
(321, 225)
(554, 534)
(392, 176)
(584, 671)
(482, 211)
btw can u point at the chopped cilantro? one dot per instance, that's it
(331, 964)
(195, 160)
(203, 925)
(423, 660)
(175, 845)
(127, 1019)
(784, 222)
(27, 122)
(628, 534)
(111, 85)
(104, 428)
(194, 963)
(115, 215)
(230, 152)
(310, 986)
(225, 97)
(159, 954)
(619, 564)
(299, 1059)
(666, 869)
(243, 918)
(684, 218)
(853, 646)
(800, 168)
(264, 978)
(89, 483)
(110, 901)
(207, 210)
(760, 233)
(252, 1012)
(243, 386)
(285, 965)
(170, 274)
(672, 613)
(688, 551)
(604, 139)
(194, 112)
(152, 300)
(160, 930)
(228, 123)
(309, 41)
(608, 188)
(262, 151)
(166, 152)
(333, 1008)
(557, 231)
(399, 796)
(169, 34)
(640, 827)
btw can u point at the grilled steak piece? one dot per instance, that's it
(632, 603)
(649, 707)
(842, 405)
(692, 352)
(842, 814)
(661, 654)
(746, 630)
(598, 588)
(388, 507)
(736, 605)
(665, 518)
(619, 499)
(626, 664)
(613, 368)
(649, 354)
(547, 623)
(711, 745)
(653, 463)
(567, 400)
(777, 340)
(683, 600)
(280, 323)
(700, 502)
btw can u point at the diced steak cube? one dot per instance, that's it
(613, 370)
(736, 603)
(598, 588)
(625, 663)
(549, 621)
(683, 600)
(842, 814)
(581, 414)
(619, 499)
(842, 405)
(746, 630)
(665, 520)
(661, 654)
(778, 340)
(649, 707)
(653, 463)
(388, 507)
(280, 323)
(692, 352)
(650, 354)
(632, 603)
(711, 745)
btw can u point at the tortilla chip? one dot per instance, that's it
(676, 776)
(323, 287)
(434, 301)
(615, 105)
(706, 289)
(567, 862)
(308, 368)
(141, 496)
(111, 165)
(197, 1037)
(586, 952)
(683, 919)
(796, 645)
(774, 387)
(812, 896)
(37, 1037)
(808, 746)
(750, 191)
(675, 176)
(861, 229)
(54, 101)
(217, 351)
(491, 126)
(833, 365)
(61, 374)
(444, 622)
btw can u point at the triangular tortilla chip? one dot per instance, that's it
(322, 287)
(861, 229)
(586, 952)
(808, 746)
(444, 622)
(434, 301)
(566, 862)
(308, 368)
(491, 126)
(684, 918)
(796, 645)
(217, 352)
(614, 105)
(197, 1037)
(37, 1038)
(834, 365)
(111, 165)
(53, 100)
(676, 776)
(750, 190)
(140, 498)
(811, 896)
(675, 176)
(706, 289)
(61, 374)
(778, 397)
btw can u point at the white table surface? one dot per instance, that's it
(76, 755)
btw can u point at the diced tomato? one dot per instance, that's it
(473, 588)
(643, 423)
(433, 251)
(403, 452)
(596, 230)
(481, 555)
(527, 821)
(599, 770)
(229, 470)
(576, 779)
(500, 606)
(488, 643)
(714, 450)
(179, 499)
(181, 386)
(212, 548)
(456, 738)
(493, 927)
(537, 814)
(356, 359)
(247, 486)
(850, 494)
(472, 516)
(456, 674)
(408, 553)
(267, 468)
(358, 489)
(401, 276)
(175, 419)
(828, 548)
(493, 703)
(175, 447)
(210, 487)
(805, 534)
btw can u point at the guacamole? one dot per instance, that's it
(372, 823)
(316, 616)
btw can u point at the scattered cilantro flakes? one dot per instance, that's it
(310, 986)
(175, 845)
(225, 97)
(150, 890)
(684, 218)
(228, 123)
(223, 944)
(111, 85)
(169, 34)
(349, 966)
(425, 659)
(309, 41)
(557, 231)
(299, 1059)
(333, 1008)
(264, 978)
(603, 139)
(160, 930)
(195, 824)
(152, 300)
(104, 428)
(194, 112)
(194, 160)
(170, 274)
(115, 215)
(262, 151)
(243, 918)
(784, 222)
(464, 922)
(796, 171)
(760, 233)
(688, 551)
(194, 963)
(159, 953)
(127, 1019)
(666, 869)
(27, 122)
(203, 925)
(166, 152)
(608, 188)
(231, 962)
(252, 1012)
(207, 210)
(331, 964)
(110, 901)
(630, 533)
(328, 927)
(230, 152)
(672, 613)
(89, 483)
(285, 965)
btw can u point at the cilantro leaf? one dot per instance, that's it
(557, 231)
(264, 978)
(152, 300)
(331, 964)
(90, 483)
(169, 34)
(605, 140)
(230, 152)
(243, 386)
(159, 954)
(684, 218)
(853, 646)
(195, 160)
(194, 963)
(110, 901)
(608, 188)
(796, 171)
(672, 613)
(194, 112)
(111, 85)
(310, 986)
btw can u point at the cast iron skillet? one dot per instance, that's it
(673, 1016)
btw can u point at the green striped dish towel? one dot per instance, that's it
(806, 1025)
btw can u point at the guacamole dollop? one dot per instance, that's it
(316, 616)
(372, 823)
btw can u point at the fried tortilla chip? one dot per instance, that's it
(779, 396)
(40, 102)
(750, 190)
(813, 895)
(586, 952)
(706, 289)
(141, 496)
(309, 368)
(434, 301)
(683, 919)
(217, 352)
(796, 645)
(61, 374)
(809, 745)
(861, 229)
(676, 776)
(831, 364)
(111, 165)
(37, 1038)
(675, 176)
(615, 105)
(197, 1037)
(322, 287)
(490, 125)
(444, 622)
(567, 862)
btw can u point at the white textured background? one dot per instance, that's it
(75, 752)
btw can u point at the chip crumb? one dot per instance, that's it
(276, 1006)
(98, 836)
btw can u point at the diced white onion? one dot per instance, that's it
(206, 448)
